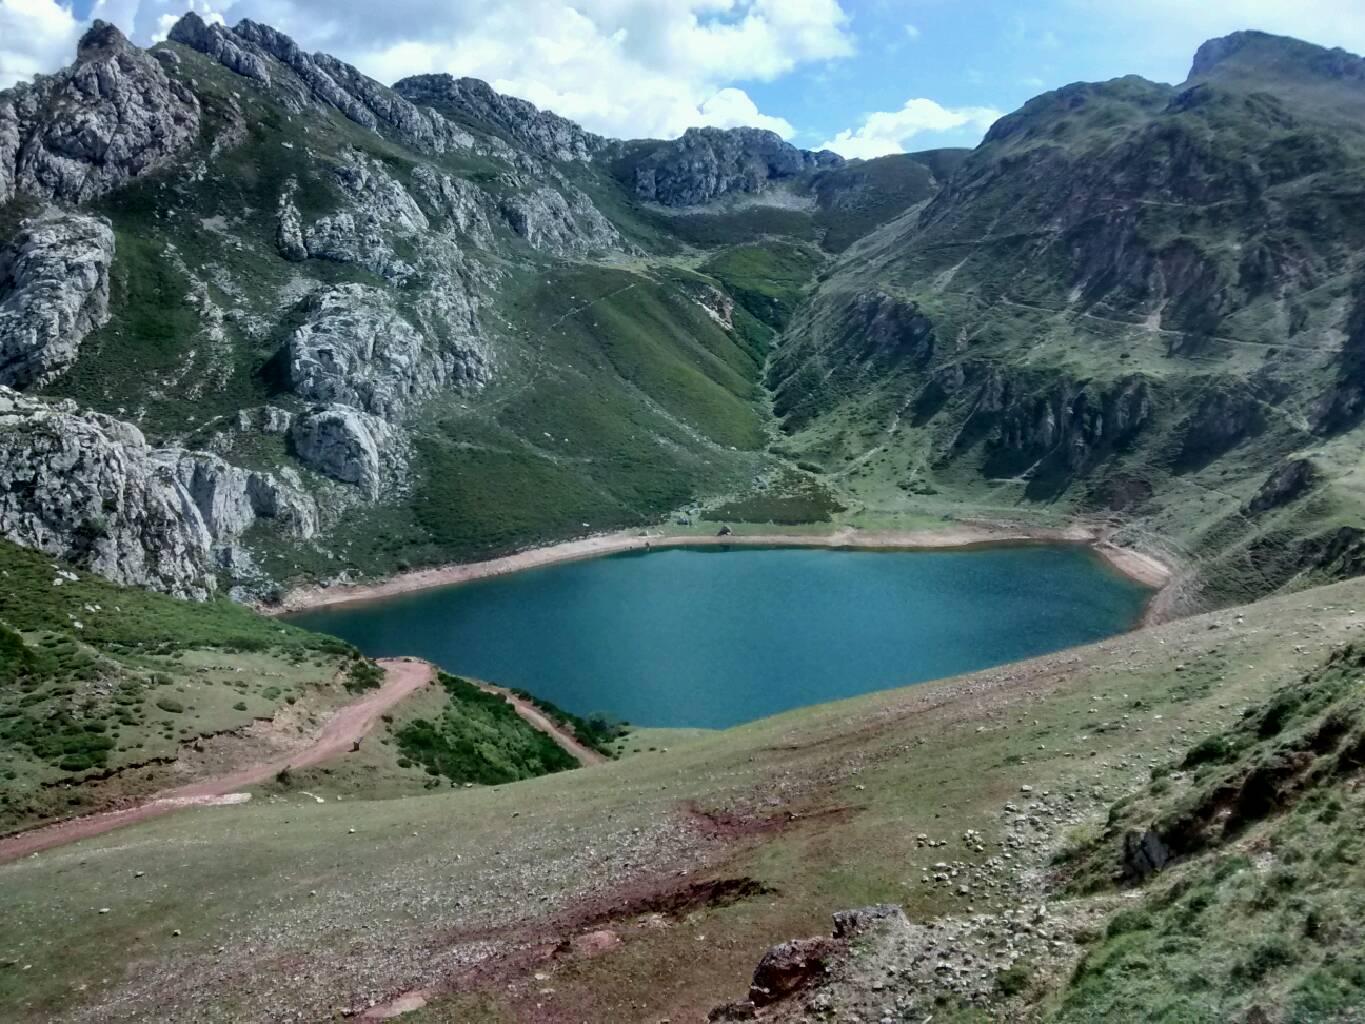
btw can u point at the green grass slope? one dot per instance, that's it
(697, 858)
(106, 691)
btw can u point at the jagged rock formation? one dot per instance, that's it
(113, 115)
(216, 42)
(347, 445)
(54, 290)
(88, 488)
(559, 225)
(354, 349)
(539, 132)
(462, 203)
(707, 163)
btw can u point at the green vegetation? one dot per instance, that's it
(480, 738)
(104, 685)
(790, 500)
(768, 280)
(1268, 888)
(600, 732)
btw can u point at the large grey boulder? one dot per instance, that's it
(54, 290)
(88, 488)
(355, 349)
(345, 444)
(111, 116)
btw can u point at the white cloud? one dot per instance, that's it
(889, 131)
(35, 36)
(911, 31)
(732, 108)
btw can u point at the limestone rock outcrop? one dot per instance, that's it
(541, 132)
(355, 349)
(707, 163)
(88, 488)
(54, 290)
(570, 226)
(347, 445)
(111, 116)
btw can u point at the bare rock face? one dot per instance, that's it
(880, 325)
(464, 205)
(563, 226)
(347, 445)
(707, 163)
(88, 488)
(1286, 482)
(54, 290)
(337, 84)
(379, 208)
(1144, 854)
(289, 226)
(541, 132)
(354, 349)
(220, 44)
(111, 116)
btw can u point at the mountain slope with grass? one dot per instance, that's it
(1132, 301)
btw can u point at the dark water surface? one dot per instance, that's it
(715, 637)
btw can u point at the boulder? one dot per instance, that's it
(1144, 854)
(849, 923)
(344, 444)
(789, 967)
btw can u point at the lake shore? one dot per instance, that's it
(1142, 567)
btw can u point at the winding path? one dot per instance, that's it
(347, 725)
(537, 719)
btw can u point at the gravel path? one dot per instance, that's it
(341, 731)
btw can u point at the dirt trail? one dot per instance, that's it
(539, 720)
(347, 725)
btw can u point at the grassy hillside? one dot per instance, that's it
(819, 810)
(1096, 317)
(108, 691)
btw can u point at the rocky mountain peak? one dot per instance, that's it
(1260, 53)
(101, 40)
(520, 122)
(707, 163)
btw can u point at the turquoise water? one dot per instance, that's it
(717, 637)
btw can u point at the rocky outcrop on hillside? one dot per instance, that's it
(1072, 421)
(327, 81)
(355, 349)
(54, 290)
(570, 226)
(463, 204)
(88, 488)
(348, 445)
(215, 41)
(111, 116)
(707, 163)
(540, 132)
(883, 326)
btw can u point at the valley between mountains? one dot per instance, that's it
(276, 335)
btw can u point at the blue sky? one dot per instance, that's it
(864, 76)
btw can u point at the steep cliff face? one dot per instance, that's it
(54, 290)
(113, 115)
(707, 163)
(88, 488)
